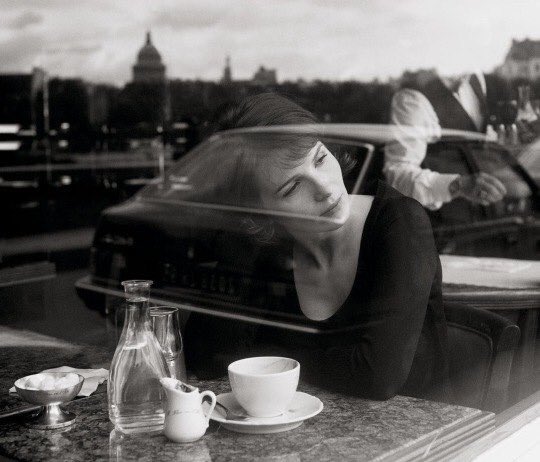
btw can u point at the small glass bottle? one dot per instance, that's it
(491, 134)
(136, 399)
(536, 107)
(525, 111)
(513, 135)
(501, 134)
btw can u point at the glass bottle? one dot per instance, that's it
(166, 327)
(501, 134)
(536, 107)
(525, 111)
(136, 399)
(491, 134)
(513, 135)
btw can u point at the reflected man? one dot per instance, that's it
(418, 116)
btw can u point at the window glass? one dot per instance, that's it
(209, 220)
(447, 157)
(495, 162)
(353, 160)
(225, 173)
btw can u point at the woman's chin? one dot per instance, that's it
(342, 215)
(332, 223)
(337, 223)
(315, 225)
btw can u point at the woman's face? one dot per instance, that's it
(313, 187)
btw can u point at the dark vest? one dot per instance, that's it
(448, 109)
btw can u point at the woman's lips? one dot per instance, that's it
(332, 207)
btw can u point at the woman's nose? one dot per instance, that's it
(323, 190)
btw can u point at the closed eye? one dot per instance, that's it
(320, 160)
(291, 189)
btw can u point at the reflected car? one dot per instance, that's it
(188, 234)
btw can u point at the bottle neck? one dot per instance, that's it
(136, 317)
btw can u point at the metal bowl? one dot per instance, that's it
(51, 415)
(45, 397)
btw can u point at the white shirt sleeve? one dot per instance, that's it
(415, 125)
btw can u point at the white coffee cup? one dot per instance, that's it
(264, 385)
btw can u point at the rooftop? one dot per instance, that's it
(524, 50)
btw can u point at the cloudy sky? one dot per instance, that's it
(326, 39)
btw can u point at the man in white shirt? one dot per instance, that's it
(459, 105)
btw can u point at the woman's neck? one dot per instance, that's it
(323, 247)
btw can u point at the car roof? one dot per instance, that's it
(371, 133)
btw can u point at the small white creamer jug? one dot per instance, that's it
(185, 420)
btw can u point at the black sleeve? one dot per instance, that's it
(402, 269)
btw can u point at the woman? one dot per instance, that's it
(366, 260)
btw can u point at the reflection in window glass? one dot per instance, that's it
(493, 162)
(445, 158)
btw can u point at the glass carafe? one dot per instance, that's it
(525, 110)
(136, 399)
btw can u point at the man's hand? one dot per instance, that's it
(482, 188)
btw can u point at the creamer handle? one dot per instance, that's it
(212, 404)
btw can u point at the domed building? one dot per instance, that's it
(149, 68)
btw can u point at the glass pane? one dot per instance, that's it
(496, 163)
(447, 158)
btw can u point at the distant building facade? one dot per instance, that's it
(264, 77)
(22, 98)
(142, 107)
(100, 100)
(22, 113)
(148, 68)
(522, 60)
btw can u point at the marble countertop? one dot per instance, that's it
(348, 428)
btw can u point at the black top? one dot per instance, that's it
(398, 342)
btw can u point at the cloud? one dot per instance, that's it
(28, 18)
(74, 49)
(186, 19)
(20, 53)
(7, 5)
(326, 39)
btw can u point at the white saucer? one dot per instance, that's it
(302, 407)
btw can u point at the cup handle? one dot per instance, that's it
(212, 404)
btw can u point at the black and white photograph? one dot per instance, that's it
(270, 230)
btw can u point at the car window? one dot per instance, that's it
(215, 174)
(446, 157)
(353, 158)
(198, 176)
(450, 157)
(466, 228)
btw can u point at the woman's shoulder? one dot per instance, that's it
(404, 206)
(391, 200)
(394, 209)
